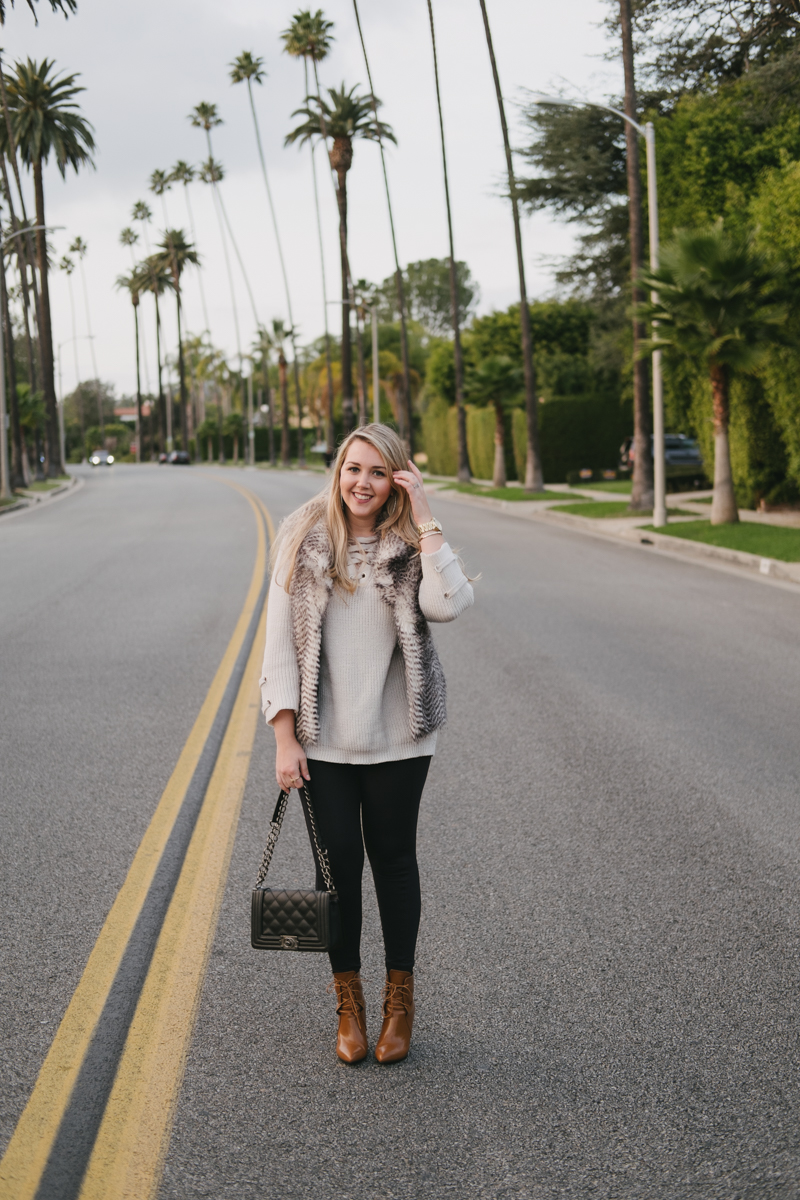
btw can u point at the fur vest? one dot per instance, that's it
(397, 573)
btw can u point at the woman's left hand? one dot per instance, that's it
(411, 480)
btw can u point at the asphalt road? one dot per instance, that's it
(608, 962)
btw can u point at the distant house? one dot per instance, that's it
(129, 414)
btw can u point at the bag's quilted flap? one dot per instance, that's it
(293, 913)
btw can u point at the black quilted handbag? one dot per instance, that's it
(294, 918)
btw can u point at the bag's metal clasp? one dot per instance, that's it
(288, 942)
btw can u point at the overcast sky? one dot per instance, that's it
(144, 67)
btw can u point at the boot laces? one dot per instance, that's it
(396, 998)
(349, 1002)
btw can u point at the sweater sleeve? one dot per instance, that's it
(280, 677)
(444, 591)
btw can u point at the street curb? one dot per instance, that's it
(36, 503)
(763, 569)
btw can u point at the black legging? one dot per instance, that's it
(382, 800)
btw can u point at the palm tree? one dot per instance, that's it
(144, 215)
(642, 494)
(204, 116)
(534, 477)
(176, 255)
(279, 331)
(64, 6)
(131, 283)
(129, 237)
(343, 117)
(497, 381)
(718, 301)
(398, 274)
(160, 184)
(17, 479)
(68, 266)
(463, 454)
(211, 173)
(154, 277)
(233, 427)
(25, 252)
(248, 69)
(183, 173)
(79, 248)
(262, 346)
(309, 37)
(46, 120)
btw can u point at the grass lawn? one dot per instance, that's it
(506, 493)
(612, 508)
(768, 541)
(47, 485)
(621, 487)
(5, 503)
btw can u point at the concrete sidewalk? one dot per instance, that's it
(29, 500)
(629, 529)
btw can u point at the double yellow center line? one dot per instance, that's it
(98, 1121)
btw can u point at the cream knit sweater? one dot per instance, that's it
(363, 708)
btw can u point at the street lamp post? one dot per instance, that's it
(84, 337)
(376, 382)
(251, 433)
(648, 132)
(5, 474)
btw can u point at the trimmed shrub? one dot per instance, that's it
(440, 437)
(574, 434)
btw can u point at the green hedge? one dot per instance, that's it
(575, 433)
(440, 437)
(440, 440)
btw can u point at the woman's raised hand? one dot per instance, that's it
(411, 480)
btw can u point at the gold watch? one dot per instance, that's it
(430, 527)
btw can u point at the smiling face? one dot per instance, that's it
(365, 483)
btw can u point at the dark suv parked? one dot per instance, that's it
(684, 462)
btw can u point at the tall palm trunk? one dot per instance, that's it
(724, 510)
(292, 335)
(17, 479)
(285, 448)
(139, 429)
(642, 495)
(161, 400)
(463, 454)
(24, 243)
(330, 432)
(22, 257)
(270, 416)
(534, 477)
(499, 474)
(219, 211)
(341, 158)
(362, 371)
(182, 375)
(405, 406)
(190, 212)
(55, 467)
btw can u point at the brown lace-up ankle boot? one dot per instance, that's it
(398, 1017)
(351, 1040)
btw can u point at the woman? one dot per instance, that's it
(354, 690)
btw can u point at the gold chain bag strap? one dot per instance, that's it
(294, 918)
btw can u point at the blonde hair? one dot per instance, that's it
(328, 507)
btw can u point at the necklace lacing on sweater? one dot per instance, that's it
(360, 552)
